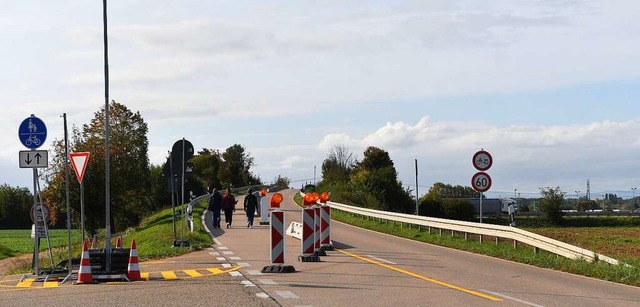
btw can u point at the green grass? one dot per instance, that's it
(626, 274)
(16, 242)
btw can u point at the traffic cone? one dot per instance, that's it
(84, 273)
(119, 242)
(133, 271)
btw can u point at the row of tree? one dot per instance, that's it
(137, 188)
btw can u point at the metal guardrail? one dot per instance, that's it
(498, 231)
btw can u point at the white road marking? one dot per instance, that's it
(267, 282)
(228, 252)
(262, 295)
(287, 294)
(248, 283)
(235, 274)
(253, 272)
(235, 258)
(221, 258)
(382, 260)
(244, 264)
(512, 298)
(226, 265)
(211, 249)
(223, 248)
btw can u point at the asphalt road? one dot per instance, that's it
(366, 269)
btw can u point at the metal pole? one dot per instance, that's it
(182, 217)
(173, 198)
(417, 200)
(481, 197)
(107, 200)
(66, 181)
(36, 244)
(82, 209)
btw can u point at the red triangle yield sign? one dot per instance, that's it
(79, 161)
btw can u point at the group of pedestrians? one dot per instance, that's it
(227, 204)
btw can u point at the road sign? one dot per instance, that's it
(481, 182)
(33, 158)
(482, 160)
(79, 162)
(43, 210)
(32, 132)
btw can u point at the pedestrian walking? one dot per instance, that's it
(250, 204)
(229, 206)
(215, 205)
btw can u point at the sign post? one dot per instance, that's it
(481, 181)
(79, 161)
(32, 133)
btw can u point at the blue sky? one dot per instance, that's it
(550, 88)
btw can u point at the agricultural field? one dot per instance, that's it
(621, 243)
(15, 242)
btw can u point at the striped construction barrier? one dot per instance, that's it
(278, 246)
(316, 233)
(308, 236)
(325, 228)
(277, 237)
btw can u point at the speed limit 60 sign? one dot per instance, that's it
(481, 182)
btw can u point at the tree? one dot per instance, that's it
(235, 168)
(338, 165)
(129, 170)
(15, 207)
(440, 190)
(206, 167)
(551, 204)
(377, 176)
(282, 182)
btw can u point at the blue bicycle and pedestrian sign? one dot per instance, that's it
(32, 132)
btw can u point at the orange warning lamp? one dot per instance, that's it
(276, 199)
(263, 192)
(308, 200)
(316, 197)
(324, 197)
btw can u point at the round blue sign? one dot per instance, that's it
(32, 132)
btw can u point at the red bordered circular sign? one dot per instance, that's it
(481, 182)
(482, 160)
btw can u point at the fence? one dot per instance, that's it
(497, 231)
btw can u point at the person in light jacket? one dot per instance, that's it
(228, 206)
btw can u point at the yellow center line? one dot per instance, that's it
(435, 281)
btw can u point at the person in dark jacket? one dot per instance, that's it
(250, 205)
(215, 205)
(229, 206)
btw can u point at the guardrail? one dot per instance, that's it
(497, 231)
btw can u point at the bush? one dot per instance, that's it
(458, 209)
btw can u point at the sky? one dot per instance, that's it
(550, 88)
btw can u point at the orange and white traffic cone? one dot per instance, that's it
(133, 271)
(84, 273)
(119, 242)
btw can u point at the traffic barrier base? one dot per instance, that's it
(278, 268)
(309, 258)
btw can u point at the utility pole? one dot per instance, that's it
(634, 197)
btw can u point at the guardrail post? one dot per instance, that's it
(480, 239)
(497, 240)
(466, 236)
(429, 229)
(515, 244)
(452, 233)
(535, 250)
(440, 230)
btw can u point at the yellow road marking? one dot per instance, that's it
(435, 281)
(193, 273)
(51, 284)
(169, 275)
(26, 283)
(215, 271)
(144, 276)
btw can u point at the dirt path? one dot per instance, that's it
(9, 265)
